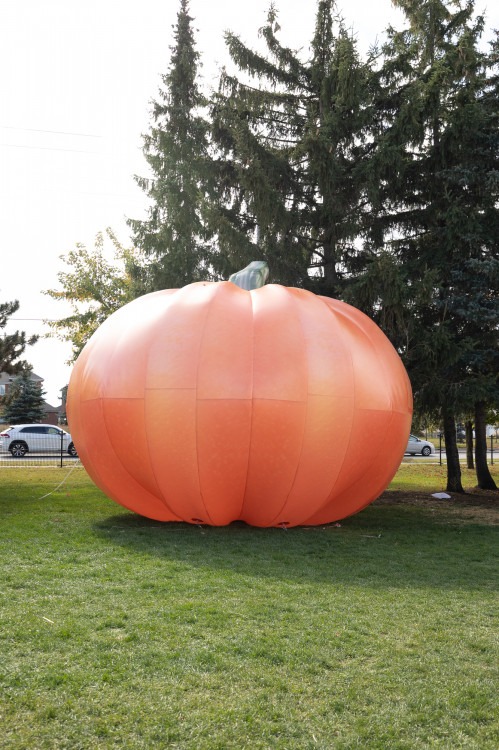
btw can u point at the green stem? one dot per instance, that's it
(253, 276)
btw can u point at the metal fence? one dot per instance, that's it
(492, 450)
(47, 446)
(38, 460)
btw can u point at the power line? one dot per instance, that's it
(55, 132)
(42, 320)
(48, 148)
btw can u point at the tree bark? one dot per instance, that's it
(469, 444)
(453, 466)
(485, 480)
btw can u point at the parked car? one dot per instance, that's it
(416, 445)
(36, 438)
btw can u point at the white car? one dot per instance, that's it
(36, 438)
(416, 445)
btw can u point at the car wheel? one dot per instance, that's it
(72, 450)
(426, 451)
(18, 449)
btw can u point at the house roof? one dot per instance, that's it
(56, 409)
(5, 377)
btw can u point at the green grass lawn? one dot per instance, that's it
(430, 477)
(119, 632)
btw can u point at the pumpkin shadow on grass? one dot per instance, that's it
(379, 547)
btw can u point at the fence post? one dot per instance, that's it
(491, 450)
(62, 443)
(440, 447)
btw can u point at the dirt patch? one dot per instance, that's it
(479, 504)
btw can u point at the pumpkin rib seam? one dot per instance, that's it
(328, 498)
(296, 303)
(161, 496)
(243, 501)
(201, 342)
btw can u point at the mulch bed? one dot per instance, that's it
(479, 503)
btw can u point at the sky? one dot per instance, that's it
(76, 87)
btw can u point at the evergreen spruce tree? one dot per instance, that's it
(431, 135)
(24, 402)
(470, 180)
(12, 345)
(481, 274)
(174, 236)
(290, 135)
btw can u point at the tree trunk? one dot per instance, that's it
(485, 480)
(453, 465)
(469, 444)
(330, 282)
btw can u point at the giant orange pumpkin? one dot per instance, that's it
(212, 403)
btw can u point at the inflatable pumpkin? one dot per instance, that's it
(215, 403)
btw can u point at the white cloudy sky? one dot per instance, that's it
(76, 83)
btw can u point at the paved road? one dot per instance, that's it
(436, 456)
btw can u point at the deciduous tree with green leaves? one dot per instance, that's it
(95, 287)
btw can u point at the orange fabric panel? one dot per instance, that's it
(223, 432)
(224, 363)
(125, 426)
(369, 431)
(325, 442)
(130, 343)
(172, 357)
(277, 431)
(106, 365)
(170, 415)
(279, 367)
(105, 468)
(371, 477)
(369, 385)
(395, 380)
(326, 353)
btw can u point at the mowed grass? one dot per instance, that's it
(415, 475)
(119, 632)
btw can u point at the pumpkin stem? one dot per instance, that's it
(253, 276)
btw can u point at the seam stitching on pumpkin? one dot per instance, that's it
(328, 500)
(243, 502)
(297, 307)
(161, 497)
(201, 341)
(374, 462)
(114, 454)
